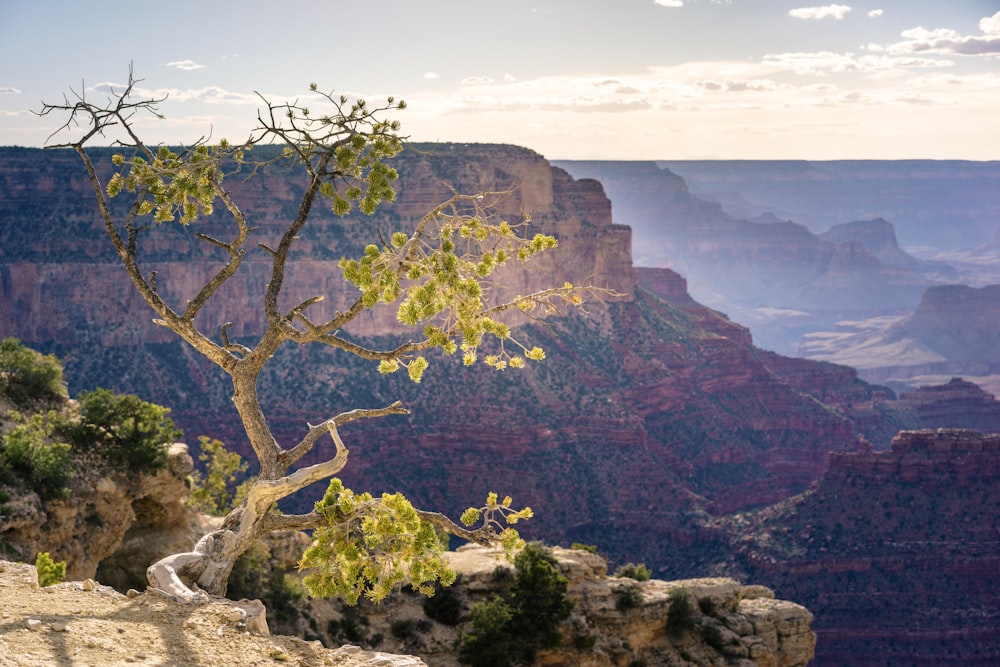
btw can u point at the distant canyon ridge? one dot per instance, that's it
(820, 258)
(655, 429)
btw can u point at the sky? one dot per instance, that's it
(584, 79)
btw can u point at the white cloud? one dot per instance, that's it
(7, 90)
(948, 41)
(875, 13)
(990, 24)
(477, 81)
(209, 94)
(737, 85)
(509, 78)
(825, 62)
(669, 3)
(185, 65)
(828, 11)
(846, 105)
(109, 88)
(212, 94)
(430, 75)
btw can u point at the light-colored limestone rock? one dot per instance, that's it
(729, 624)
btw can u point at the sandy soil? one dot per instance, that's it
(82, 624)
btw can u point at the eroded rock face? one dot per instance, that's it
(656, 405)
(49, 288)
(113, 522)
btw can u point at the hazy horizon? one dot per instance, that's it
(635, 80)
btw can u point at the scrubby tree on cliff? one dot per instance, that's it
(439, 275)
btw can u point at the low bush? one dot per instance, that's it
(216, 492)
(33, 453)
(509, 629)
(632, 571)
(27, 376)
(49, 571)
(126, 430)
(627, 597)
(682, 614)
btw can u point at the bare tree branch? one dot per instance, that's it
(291, 456)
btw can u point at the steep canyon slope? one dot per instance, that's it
(884, 543)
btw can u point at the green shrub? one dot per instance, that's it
(5, 510)
(510, 629)
(627, 597)
(632, 571)
(682, 614)
(27, 376)
(31, 451)
(125, 429)
(445, 606)
(403, 628)
(215, 492)
(492, 642)
(589, 548)
(49, 571)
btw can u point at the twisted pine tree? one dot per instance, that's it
(440, 275)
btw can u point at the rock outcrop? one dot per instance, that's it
(955, 404)
(112, 525)
(878, 237)
(723, 622)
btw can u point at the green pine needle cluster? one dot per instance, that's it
(371, 546)
(440, 277)
(172, 185)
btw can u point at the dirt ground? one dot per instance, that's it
(83, 624)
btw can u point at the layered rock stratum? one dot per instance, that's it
(887, 541)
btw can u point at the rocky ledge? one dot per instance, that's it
(615, 621)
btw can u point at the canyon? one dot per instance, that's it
(952, 331)
(653, 421)
(790, 248)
